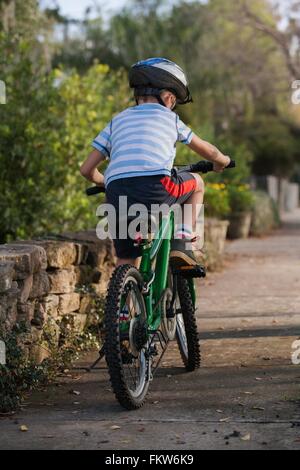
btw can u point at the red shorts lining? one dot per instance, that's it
(178, 189)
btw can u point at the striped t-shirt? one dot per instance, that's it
(141, 141)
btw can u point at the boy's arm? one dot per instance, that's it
(210, 152)
(89, 168)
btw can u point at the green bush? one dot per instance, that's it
(20, 374)
(240, 198)
(216, 201)
(45, 133)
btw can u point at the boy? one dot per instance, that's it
(140, 143)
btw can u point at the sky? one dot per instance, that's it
(76, 8)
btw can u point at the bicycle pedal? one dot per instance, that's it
(191, 272)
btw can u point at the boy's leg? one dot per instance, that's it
(181, 252)
(196, 201)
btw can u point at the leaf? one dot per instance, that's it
(247, 437)
(258, 408)
(23, 428)
(75, 392)
(114, 427)
(224, 420)
(220, 411)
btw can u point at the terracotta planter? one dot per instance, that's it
(239, 226)
(215, 237)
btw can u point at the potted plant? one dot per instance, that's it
(217, 209)
(241, 203)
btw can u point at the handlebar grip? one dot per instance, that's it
(95, 190)
(206, 167)
(232, 164)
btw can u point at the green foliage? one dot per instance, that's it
(45, 133)
(61, 342)
(216, 201)
(274, 146)
(20, 374)
(238, 78)
(240, 198)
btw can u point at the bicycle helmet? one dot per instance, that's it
(151, 76)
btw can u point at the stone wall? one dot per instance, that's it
(51, 278)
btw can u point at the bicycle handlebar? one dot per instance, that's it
(95, 190)
(205, 167)
(201, 167)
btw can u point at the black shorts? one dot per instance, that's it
(148, 190)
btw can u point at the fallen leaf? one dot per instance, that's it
(248, 393)
(224, 420)
(23, 428)
(114, 428)
(258, 408)
(76, 402)
(75, 392)
(259, 379)
(247, 437)
(220, 411)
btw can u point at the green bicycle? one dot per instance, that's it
(146, 309)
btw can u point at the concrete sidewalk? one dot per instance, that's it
(246, 395)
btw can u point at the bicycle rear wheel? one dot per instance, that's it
(126, 338)
(186, 327)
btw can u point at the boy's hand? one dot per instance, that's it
(219, 167)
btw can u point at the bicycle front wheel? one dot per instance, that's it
(126, 338)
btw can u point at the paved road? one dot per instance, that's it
(246, 396)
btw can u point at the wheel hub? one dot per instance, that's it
(138, 335)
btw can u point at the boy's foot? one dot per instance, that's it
(181, 255)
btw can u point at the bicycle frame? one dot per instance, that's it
(154, 269)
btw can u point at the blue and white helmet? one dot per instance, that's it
(152, 76)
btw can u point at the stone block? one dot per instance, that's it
(40, 315)
(25, 288)
(63, 281)
(50, 305)
(26, 311)
(41, 285)
(8, 306)
(7, 273)
(60, 254)
(26, 259)
(68, 303)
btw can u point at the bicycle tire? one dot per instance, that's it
(190, 354)
(112, 344)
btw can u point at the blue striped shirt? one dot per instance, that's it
(141, 141)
